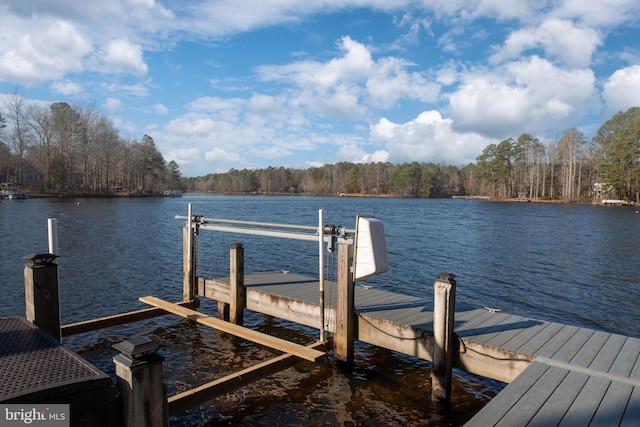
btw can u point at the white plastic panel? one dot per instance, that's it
(371, 248)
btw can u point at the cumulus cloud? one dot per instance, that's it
(32, 57)
(347, 85)
(622, 90)
(122, 56)
(560, 39)
(184, 156)
(524, 96)
(427, 138)
(66, 87)
(222, 157)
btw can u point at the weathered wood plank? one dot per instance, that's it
(632, 412)
(197, 395)
(500, 405)
(524, 337)
(613, 404)
(302, 312)
(608, 353)
(573, 345)
(560, 400)
(467, 328)
(255, 336)
(588, 352)
(627, 358)
(586, 403)
(488, 331)
(556, 342)
(522, 326)
(534, 398)
(118, 319)
(540, 339)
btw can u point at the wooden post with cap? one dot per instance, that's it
(236, 283)
(41, 293)
(443, 340)
(142, 398)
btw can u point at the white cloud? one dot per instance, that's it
(160, 108)
(264, 104)
(66, 87)
(346, 86)
(113, 104)
(597, 13)
(184, 156)
(222, 157)
(122, 56)
(428, 138)
(525, 96)
(560, 39)
(622, 90)
(379, 156)
(32, 57)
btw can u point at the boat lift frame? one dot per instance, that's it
(322, 233)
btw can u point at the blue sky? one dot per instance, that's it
(249, 84)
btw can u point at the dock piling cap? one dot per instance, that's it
(137, 349)
(41, 259)
(447, 277)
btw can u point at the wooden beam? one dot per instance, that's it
(240, 331)
(345, 311)
(197, 395)
(119, 319)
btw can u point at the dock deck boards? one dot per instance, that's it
(569, 375)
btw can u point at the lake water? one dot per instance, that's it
(576, 264)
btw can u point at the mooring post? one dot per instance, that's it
(189, 264)
(41, 295)
(443, 339)
(142, 398)
(345, 311)
(236, 283)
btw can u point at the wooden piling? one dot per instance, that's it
(345, 311)
(141, 393)
(189, 264)
(42, 299)
(443, 340)
(236, 282)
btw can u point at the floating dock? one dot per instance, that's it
(558, 374)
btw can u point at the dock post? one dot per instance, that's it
(443, 340)
(345, 311)
(236, 283)
(41, 293)
(142, 398)
(189, 264)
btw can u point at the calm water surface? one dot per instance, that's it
(576, 264)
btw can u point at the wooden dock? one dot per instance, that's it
(558, 374)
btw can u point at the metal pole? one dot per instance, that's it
(188, 285)
(321, 269)
(52, 225)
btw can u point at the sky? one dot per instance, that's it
(221, 84)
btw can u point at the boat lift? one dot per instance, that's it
(370, 252)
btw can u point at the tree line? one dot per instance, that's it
(75, 150)
(72, 149)
(564, 166)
